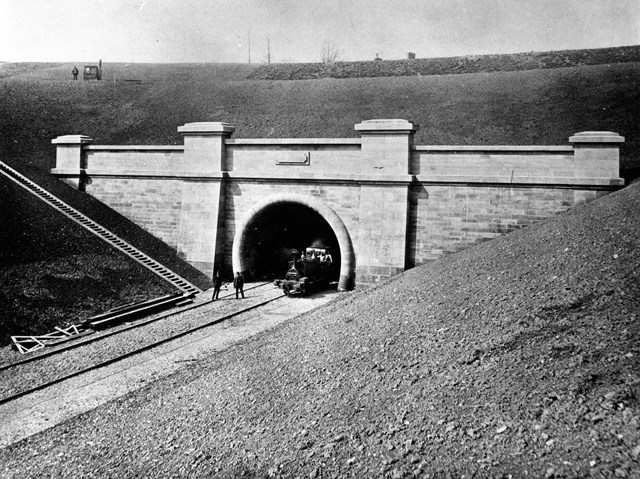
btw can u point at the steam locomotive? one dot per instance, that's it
(310, 272)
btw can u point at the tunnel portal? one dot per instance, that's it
(278, 230)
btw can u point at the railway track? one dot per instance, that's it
(98, 230)
(44, 406)
(28, 368)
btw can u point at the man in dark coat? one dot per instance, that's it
(217, 284)
(238, 283)
(74, 72)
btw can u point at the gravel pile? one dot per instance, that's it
(519, 356)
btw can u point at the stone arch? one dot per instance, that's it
(346, 281)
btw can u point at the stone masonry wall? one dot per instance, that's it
(448, 218)
(153, 204)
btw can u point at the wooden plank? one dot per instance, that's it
(51, 336)
(66, 333)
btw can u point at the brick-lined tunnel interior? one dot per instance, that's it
(280, 228)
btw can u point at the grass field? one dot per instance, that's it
(145, 103)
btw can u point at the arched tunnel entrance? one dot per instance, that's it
(277, 225)
(281, 228)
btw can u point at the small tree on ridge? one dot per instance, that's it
(329, 53)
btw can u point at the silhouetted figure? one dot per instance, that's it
(75, 72)
(238, 283)
(217, 284)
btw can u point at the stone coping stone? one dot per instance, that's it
(294, 141)
(71, 140)
(596, 137)
(134, 148)
(395, 125)
(206, 128)
(494, 148)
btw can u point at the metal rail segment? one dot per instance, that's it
(101, 232)
(135, 351)
(99, 337)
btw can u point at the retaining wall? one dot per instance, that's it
(402, 205)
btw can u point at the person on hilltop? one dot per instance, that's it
(238, 283)
(217, 284)
(74, 72)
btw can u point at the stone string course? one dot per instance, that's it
(401, 205)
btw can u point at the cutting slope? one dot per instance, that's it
(55, 273)
(521, 108)
(519, 356)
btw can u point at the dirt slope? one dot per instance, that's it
(55, 273)
(519, 356)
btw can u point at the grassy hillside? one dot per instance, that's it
(530, 107)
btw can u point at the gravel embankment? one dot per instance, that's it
(32, 374)
(517, 357)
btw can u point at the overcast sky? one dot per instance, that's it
(219, 30)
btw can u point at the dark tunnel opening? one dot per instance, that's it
(278, 230)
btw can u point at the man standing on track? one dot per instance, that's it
(238, 283)
(217, 284)
(74, 72)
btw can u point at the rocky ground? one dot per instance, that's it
(517, 357)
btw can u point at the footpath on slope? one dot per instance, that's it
(519, 356)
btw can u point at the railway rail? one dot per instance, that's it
(19, 367)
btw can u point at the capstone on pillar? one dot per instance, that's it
(70, 160)
(204, 149)
(597, 154)
(386, 146)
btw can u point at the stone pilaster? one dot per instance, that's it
(204, 149)
(386, 146)
(202, 221)
(70, 161)
(597, 155)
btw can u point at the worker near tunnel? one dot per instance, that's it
(238, 283)
(217, 284)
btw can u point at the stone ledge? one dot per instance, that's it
(134, 148)
(596, 137)
(295, 141)
(206, 128)
(520, 180)
(348, 178)
(388, 126)
(139, 173)
(493, 149)
(71, 140)
(319, 177)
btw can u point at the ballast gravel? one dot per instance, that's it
(518, 357)
(26, 376)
